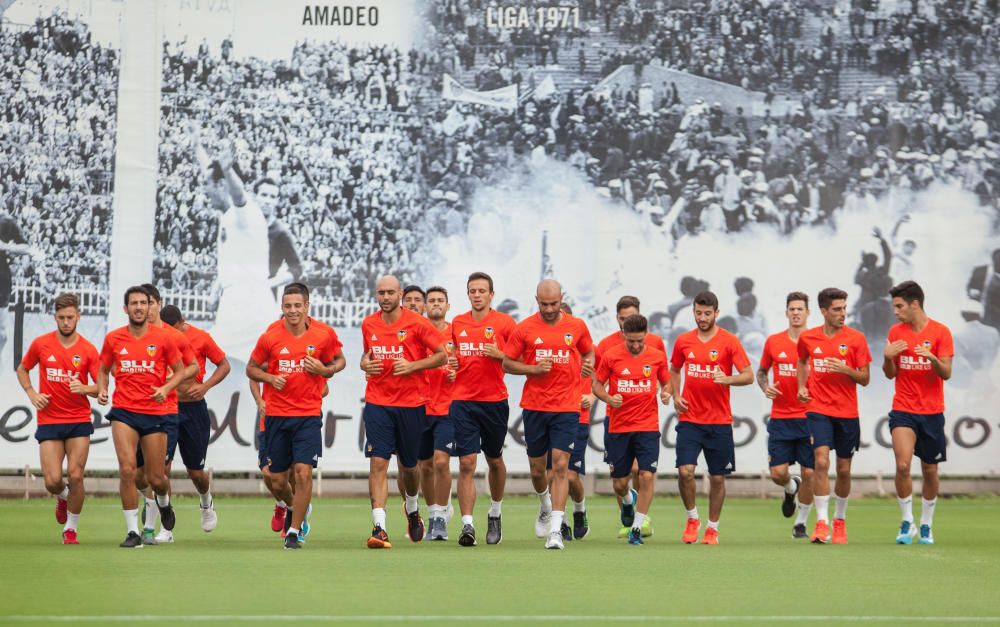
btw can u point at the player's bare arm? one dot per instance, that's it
(941, 365)
(256, 373)
(39, 401)
(518, 367)
(743, 377)
(861, 375)
(600, 390)
(197, 391)
(675, 386)
(103, 375)
(438, 358)
(588, 364)
(179, 370)
(802, 378)
(892, 351)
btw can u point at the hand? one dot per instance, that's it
(680, 404)
(587, 401)
(40, 401)
(803, 395)
(313, 366)
(665, 396)
(616, 401)
(159, 393)
(544, 366)
(277, 382)
(453, 363)
(102, 397)
(492, 350)
(838, 366)
(895, 349)
(772, 392)
(588, 367)
(720, 378)
(922, 351)
(402, 367)
(75, 387)
(371, 366)
(326, 390)
(196, 391)
(452, 375)
(261, 409)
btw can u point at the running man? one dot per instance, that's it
(627, 379)
(66, 360)
(437, 443)
(918, 356)
(552, 350)
(708, 356)
(787, 432)
(833, 361)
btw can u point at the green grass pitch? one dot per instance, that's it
(240, 573)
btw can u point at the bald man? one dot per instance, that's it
(399, 345)
(552, 350)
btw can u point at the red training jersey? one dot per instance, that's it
(140, 365)
(635, 377)
(439, 395)
(205, 349)
(781, 357)
(480, 378)
(188, 356)
(59, 365)
(618, 339)
(282, 354)
(919, 390)
(412, 337)
(708, 402)
(834, 395)
(564, 343)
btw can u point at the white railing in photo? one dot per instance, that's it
(93, 300)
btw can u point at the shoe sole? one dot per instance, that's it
(583, 535)
(499, 540)
(926, 542)
(820, 541)
(374, 543)
(462, 541)
(554, 547)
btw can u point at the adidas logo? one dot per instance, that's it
(782, 355)
(284, 351)
(449, 446)
(571, 445)
(315, 458)
(463, 334)
(653, 465)
(123, 351)
(818, 350)
(374, 338)
(202, 463)
(729, 466)
(578, 462)
(51, 358)
(691, 355)
(939, 456)
(626, 371)
(538, 340)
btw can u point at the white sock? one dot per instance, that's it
(432, 511)
(637, 523)
(627, 499)
(557, 521)
(927, 511)
(65, 493)
(412, 504)
(378, 517)
(163, 500)
(206, 499)
(280, 504)
(803, 513)
(713, 525)
(132, 520)
(292, 530)
(495, 508)
(823, 508)
(906, 508)
(840, 509)
(581, 506)
(692, 513)
(467, 520)
(72, 520)
(790, 486)
(149, 522)
(545, 501)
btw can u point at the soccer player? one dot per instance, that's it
(140, 355)
(918, 356)
(552, 349)
(414, 299)
(625, 307)
(398, 346)
(195, 424)
(833, 361)
(66, 360)
(787, 431)
(437, 443)
(708, 356)
(292, 360)
(479, 407)
(284, 264)
(627, 379)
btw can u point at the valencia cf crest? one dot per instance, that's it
(568, 338)
(310, 350)
(151, 349)
(449, 347)
(927, 344)
(842, 349)
(646, 371)
(77, 360)
(401, 335)
(713, 354)
(488, 332)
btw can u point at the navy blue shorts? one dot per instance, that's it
(144, 424)
(64, 431)
(480, 426)
(545, 431)
(625, 448)
(170, 421)
(193, 433)
(715, 441)
(578, 457)
(788, 442)
(293, 440)
(841, 434)
(394, 430)
(438, 435)
(932, 444)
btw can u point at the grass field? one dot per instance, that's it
(240, 572)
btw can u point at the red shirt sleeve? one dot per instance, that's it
(30, 359)
(946, 346)
(603, 372)
(175, 353)
(334, 346)
(515, 346)
(803, 349)
(861, 352)
(93, 361)
(212, 350)
(586, 343)
(765, 358)
(260, 351)
(662, 372)
(186, 351)
(739, 356)
(677, 359)
(107, 354)
(430, 336)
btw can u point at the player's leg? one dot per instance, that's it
(410, 424)
(467, 447)
(193, 434)
(381, 436)
(904, 442)
(126, 440)
(51, 454)
(400, 483)
(77, 451)
(931, 488)
(578, 470)
(821, 436)
(425, 465)
(492, 428)
(536, 438)
(559, 489)
(720, 457)
(154, 450)
(443, 445)
(847, 440)
(780, 454)
(687, 448)
(645, 447)
(306, 449)
(932, 449)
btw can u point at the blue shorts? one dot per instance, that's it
(788, 442)
(841, 434)
(715, 441)
(193, 433)
(64, 431)
(625, 448)
(262, 457)
(394, 430)
(545, 431)
(578, 457)
(293, 440)
(438, 435)
(144, 424)
(170, 421)
(480, 426)
(932, 444)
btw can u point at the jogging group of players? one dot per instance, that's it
(436, 390)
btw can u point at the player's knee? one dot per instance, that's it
(496, 463)
(902, 467)
(620, 485)
(75, 476)
(929, 472)
(645, 475)
(53, 485)
(467, 464)
(127, 472)
(717, 480)
(686, 473)
(441, 464)
(779, 474)
(303, 473)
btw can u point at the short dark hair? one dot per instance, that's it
(707, 299)
(152, 292)
(135, 289)
(296, 288)
(909, 291)
(215, 171)
(746, 304)
(480, 276)
(171, 315)
(743, 285)
(264, 181)
(636, 323)
(414, 288)
(626, 302)
(793, 296)
(65, 300)
(566, 308)
(437, 288)
(828, 295)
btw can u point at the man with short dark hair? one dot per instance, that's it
(918, 356)
(437, 442)
(284, 265)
